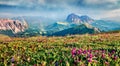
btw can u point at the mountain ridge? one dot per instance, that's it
(72, 23)
(80, 29)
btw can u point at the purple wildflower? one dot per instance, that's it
(115, 57)
(90, 55)
(103, 55)
(113, 52)
(84, 52)
(103, 51)
(73, 52)
(89, 51)
(12, 60)
(89, 60)
(107, 63)
(56, 63)
(109, 54)
(79, 51)
(35, 65)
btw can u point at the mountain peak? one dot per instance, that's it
(73, 18)
(86, 18)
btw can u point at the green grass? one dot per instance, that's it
(54, 51)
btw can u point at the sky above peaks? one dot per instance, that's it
(57, 9)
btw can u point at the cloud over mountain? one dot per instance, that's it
(56, 7)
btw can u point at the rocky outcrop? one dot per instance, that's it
(15, 26)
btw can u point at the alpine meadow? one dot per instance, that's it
(59, 33)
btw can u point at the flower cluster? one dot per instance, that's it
(94, 56)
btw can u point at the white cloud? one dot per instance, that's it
(91, 2)
(112, 13)
(8, 3)
(42, 2)
(95, 8)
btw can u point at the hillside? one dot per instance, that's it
(55, 27)
(80, 29)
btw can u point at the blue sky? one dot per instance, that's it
(60, 8)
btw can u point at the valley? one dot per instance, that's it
(35, 26)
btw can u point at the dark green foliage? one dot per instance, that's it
(81, 29)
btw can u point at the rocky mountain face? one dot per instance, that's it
(14, 26)
(73, 18)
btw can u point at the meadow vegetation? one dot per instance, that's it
(75, 50)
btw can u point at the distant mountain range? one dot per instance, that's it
(106, 25)
(114, 18)
(73, 24)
